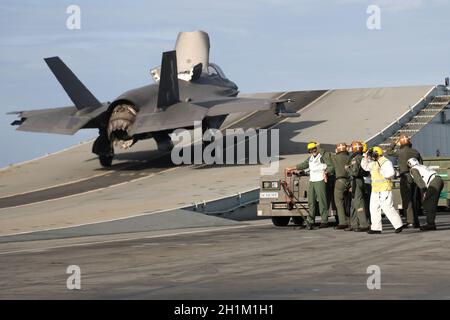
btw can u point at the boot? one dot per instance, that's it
(310, 226)
(428, 227)
(411, 226)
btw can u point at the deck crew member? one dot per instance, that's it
(381, 172)
(431, 185)
(319, 167)
(342, 184)
(358, 218)
(408, 188)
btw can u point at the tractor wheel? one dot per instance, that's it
(281, 221)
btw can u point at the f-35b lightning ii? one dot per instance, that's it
(188, 88)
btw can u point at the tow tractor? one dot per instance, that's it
(285, 198)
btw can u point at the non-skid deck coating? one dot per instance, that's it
(248, 261)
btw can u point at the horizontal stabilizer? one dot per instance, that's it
(65, 120)
(75, 89)
(229, 105)
(235, 105)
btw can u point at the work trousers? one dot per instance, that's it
(431, 199)
(407, 191)
(358, 218)
(317, 192)
(382, 202)
(340, 188)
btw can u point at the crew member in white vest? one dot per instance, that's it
(431, 186)
(320, 167)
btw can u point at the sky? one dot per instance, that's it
(262, 45)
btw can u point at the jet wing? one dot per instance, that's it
(179, 115)
(234, 105)
(65, 120)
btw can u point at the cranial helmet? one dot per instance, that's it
(341, 147)
(357, 146)
(378, 151)
(404, 140)
(412, 162)
(312, 145)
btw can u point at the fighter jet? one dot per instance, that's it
(188, 88)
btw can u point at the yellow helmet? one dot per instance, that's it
(312, 145)
(378, 150)
(364, 147)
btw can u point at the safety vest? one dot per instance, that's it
(379, 182)
(426, 173)
(316, 168)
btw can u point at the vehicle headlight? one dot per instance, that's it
(271, 185)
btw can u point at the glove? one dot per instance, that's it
(290, 171)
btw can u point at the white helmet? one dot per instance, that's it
(412, 162)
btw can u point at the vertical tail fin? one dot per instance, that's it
(168, 93)
(75, 89)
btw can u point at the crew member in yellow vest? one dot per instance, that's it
(381, 172)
